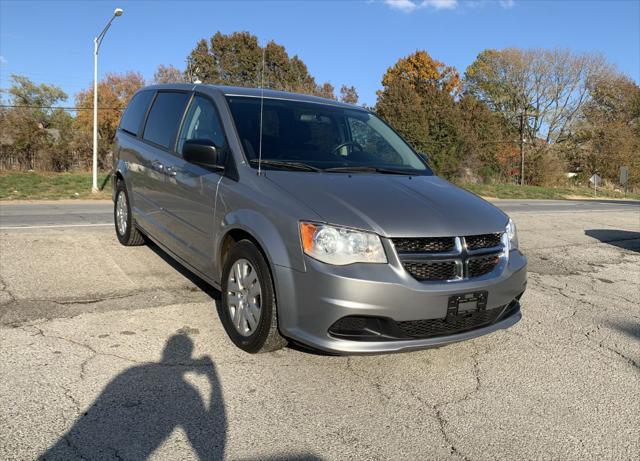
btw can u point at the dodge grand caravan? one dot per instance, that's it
(317, 222)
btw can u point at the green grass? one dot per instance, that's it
(536, 192)
(51, 186)
(55, 186)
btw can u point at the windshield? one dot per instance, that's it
(321, 137)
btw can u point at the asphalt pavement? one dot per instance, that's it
(112, 352)
(100, 212)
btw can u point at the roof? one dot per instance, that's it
(257, 93)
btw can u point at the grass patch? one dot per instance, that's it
(55, 186)
(514, 191)
(51, 186)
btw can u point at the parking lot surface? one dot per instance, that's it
(109, 352)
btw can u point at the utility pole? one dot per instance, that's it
(523, 117)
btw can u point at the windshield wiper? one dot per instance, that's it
(367, 169)
(285, 164)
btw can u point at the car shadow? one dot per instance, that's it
(627, 240)
(212, 292)
(140, 408)
(631, 329)
(215, 294)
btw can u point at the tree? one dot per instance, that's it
(463, 138)
(26, 93)
(168, 74)
(489, 144)
(416, 99)
(236, 59)
(32, 129)
(422, 71)
(201, 65)
(348, 94)
(326, 90)
(114, 93)
(608, 135)
(550, 86)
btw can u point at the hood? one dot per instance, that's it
(392, 205)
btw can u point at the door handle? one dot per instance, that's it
(156, 165)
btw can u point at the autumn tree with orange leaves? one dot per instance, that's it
(421, 71)
(420, 98)
(114, 93)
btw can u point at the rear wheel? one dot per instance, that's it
(127, 232)
(248, 308)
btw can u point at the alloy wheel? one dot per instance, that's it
(244, 297)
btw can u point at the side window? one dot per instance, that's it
(164, 118)
(131, 121)
(202, 122)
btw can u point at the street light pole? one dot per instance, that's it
(96, 46)
(523, 120)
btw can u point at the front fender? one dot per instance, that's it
(119, 169)
(280, 242)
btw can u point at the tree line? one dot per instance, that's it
(569, 113)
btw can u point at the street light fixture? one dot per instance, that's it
(96, 46)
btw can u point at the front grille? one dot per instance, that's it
(477, 242)
(432, 270)
(419, 329)
(424, 245)
(449, 258)
(482, 265)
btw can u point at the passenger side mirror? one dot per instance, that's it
(201, 152)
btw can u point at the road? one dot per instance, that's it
(109, 352)
(100, 212)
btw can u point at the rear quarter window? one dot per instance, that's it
(164, 117)
(133, 116)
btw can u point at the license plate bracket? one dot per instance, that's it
(466, 303)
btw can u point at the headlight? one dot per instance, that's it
(340, 246)
(512, 235)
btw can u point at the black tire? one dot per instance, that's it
(131, 235)
(265, 337)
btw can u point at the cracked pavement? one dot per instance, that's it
(116, 353)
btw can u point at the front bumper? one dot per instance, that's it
(310, 302)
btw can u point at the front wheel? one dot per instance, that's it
(248, 307)
(126, 230)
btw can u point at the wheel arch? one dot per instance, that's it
(118, 175)
(277, 245)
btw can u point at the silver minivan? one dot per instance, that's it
(316, 221)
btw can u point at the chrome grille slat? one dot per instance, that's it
(458, 258)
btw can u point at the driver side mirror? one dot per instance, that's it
(203, 153)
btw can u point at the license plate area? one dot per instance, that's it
(467, 303)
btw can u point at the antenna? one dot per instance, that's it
(264, 50)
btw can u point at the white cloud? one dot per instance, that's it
(408, 6)
(441, 4)
(3, 60)
(403, 5)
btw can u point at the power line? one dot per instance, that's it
(14, 106)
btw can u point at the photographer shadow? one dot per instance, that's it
(140, 408)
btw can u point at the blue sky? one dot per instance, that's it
(351, 42)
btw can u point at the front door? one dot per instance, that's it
(190, 203)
